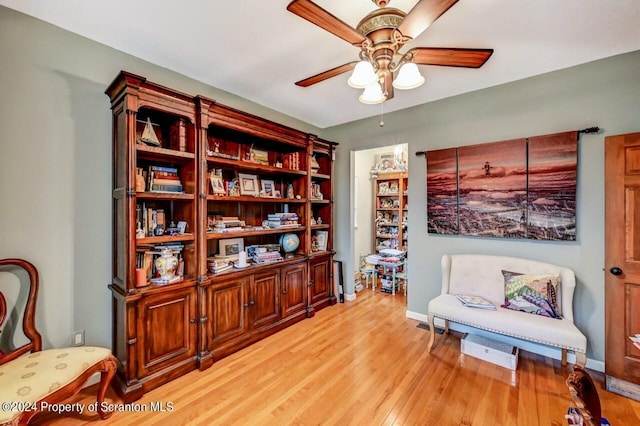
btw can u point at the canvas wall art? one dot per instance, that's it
(442, 191)
(522, 188)
(493, 189)
(553, 164)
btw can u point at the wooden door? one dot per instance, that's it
(622, 256)
(228, 306)
(320, 281)
(167, 330)
(294, 289)
(265, 299)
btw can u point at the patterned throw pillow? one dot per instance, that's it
(536, 294)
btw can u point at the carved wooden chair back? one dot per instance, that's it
(29, 380)
(585, 395)
(29, 316)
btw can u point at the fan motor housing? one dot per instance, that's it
(386, 18)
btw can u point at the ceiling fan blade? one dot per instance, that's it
(326, 74)
(423, 14)
(313, 13)
(450, 57)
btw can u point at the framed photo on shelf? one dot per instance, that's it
(259, 156)
(322, 240)
(182, 227)
(387, 161)
(268, 188)
(383, 188)
(230, 246)
(217, 184)
(248, 184)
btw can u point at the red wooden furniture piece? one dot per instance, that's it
(31, 380)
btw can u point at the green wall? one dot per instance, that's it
(604, 93)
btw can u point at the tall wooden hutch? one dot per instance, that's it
(161, 330)
(390, 207)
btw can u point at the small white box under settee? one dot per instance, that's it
(482, 275)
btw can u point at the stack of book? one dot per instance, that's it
(282, 220)
(266, 257)
(224, 224)
(164, 179)
(216, 266)
(262, 254)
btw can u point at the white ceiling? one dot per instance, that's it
(256, 49)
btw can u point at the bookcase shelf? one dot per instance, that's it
(247, 199)
(242, 234)
(187, 164)
(163, 154)
(390, 210)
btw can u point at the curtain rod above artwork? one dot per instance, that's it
(594, 129)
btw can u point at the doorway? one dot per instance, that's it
(382, 162)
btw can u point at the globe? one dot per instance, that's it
(289, 243)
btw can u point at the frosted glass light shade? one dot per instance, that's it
(409, 77)
(372, 94)
(363, 75)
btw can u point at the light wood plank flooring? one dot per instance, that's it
(361, 363)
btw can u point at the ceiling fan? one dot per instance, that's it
(380, 35)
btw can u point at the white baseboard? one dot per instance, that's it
(350, 297)
(553, 353)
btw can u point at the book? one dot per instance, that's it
(166, 188)
(475, 302)
(163, 169)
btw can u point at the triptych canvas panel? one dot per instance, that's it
(523, 188)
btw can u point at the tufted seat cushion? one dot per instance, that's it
(549, 331)
(32, 377)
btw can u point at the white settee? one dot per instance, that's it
(481, 275)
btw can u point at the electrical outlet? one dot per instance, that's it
(78, 338)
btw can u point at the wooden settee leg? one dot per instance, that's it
(106, 374)
(432, 333)
(563, 359)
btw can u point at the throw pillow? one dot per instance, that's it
(536, 294)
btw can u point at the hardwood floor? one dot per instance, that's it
(361, 363)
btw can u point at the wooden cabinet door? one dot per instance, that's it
(294, 289)
(166, 330)
(228, 303)
(622, 256)
(320, 280)
(265, 299)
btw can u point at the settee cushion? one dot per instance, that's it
(549, 331)
(535, 294)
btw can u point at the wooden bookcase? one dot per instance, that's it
(162, 330)
(390, 206)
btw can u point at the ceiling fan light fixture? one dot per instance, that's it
(372, 94)
(363, 75)
(409, 77)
